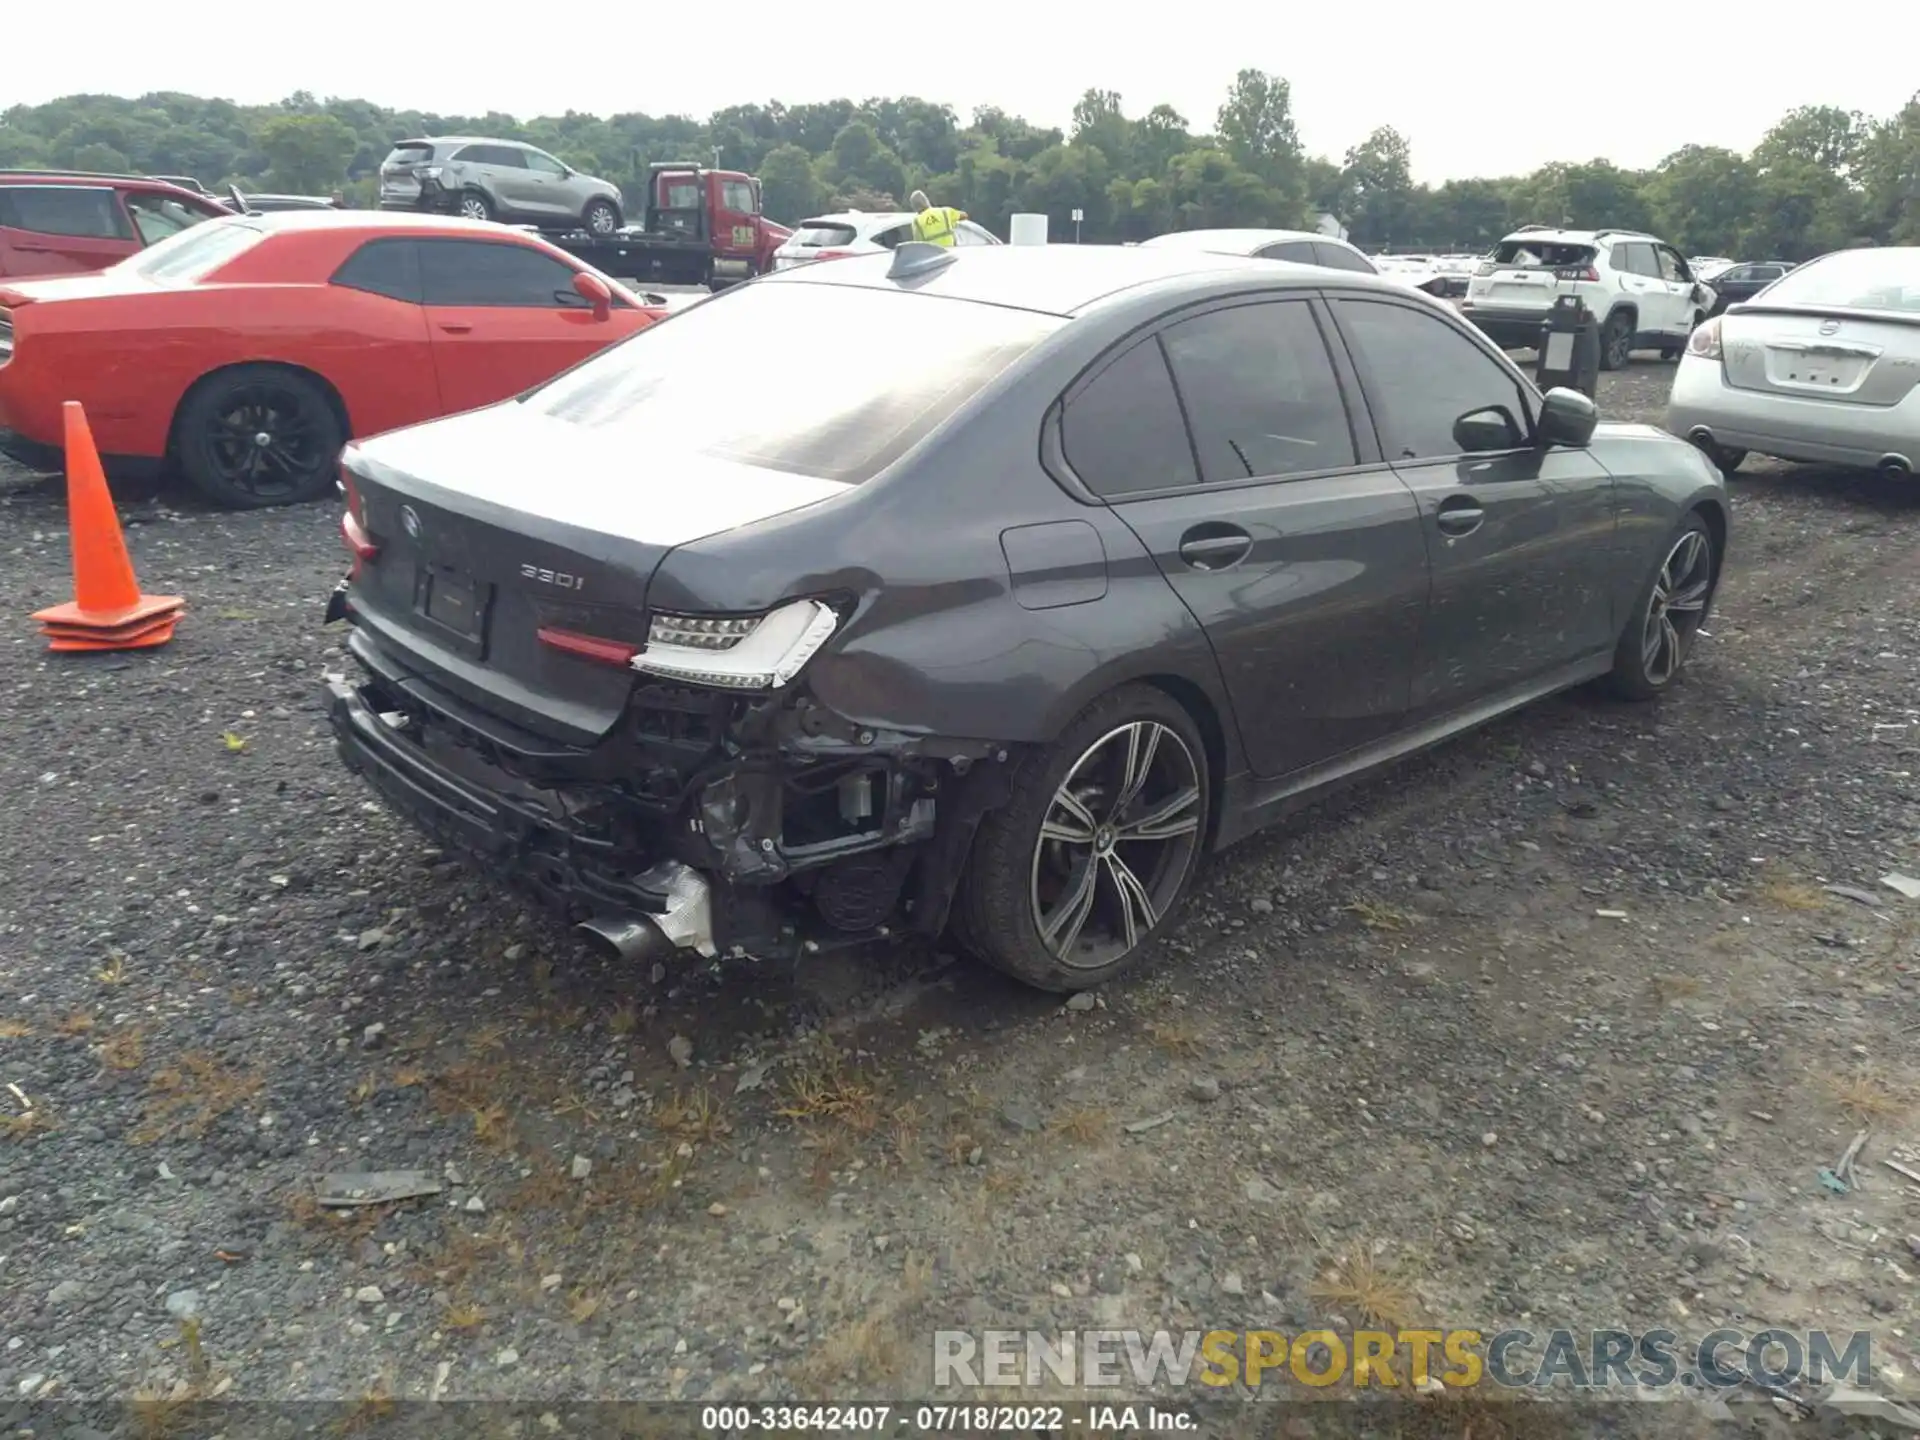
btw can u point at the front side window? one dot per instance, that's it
(1260, 392)
(494, 273)
(542, 164)
(737, 195)
(1422, 376)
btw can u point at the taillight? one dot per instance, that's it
(1705, 340)
(1580, 273)
(588, 647)
(834, 254)
(353, 528)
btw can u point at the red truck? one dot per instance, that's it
(701, 227)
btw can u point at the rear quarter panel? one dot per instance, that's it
(131, 359)
(939, 643)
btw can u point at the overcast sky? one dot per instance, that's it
(1638, 84)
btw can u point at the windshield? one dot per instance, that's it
(875, 392)
(194, 253)
(1878, 279)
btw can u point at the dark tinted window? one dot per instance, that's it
(492, 155)
(1339, 257)
(676, 387)
(1422, 375)
(895, 236)
(1124, 433)
(383, 267)
(485, 272)
(1739, 273)
(1260, 391)
(81, 211)
(1300, 252)
(1765, 272)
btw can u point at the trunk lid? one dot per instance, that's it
(501, 522)
(1852, 357)
(398, 177)
(1524, 275)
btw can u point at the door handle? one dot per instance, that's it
(457, 329)
(1214, 547)
(1460, 515)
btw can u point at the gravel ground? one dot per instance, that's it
(1554, 1026)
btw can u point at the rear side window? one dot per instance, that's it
(1300, 252)
(895, 236)
(383, 267)
(1535, 254)
(1338, 257)
(666, 388)
(82, 212)
(1124, 433)
(820, 234)
(491, 155)
(494, 273)
(1260, 392)
(681, 195)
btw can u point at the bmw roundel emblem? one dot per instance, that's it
(410, 521)
(1829, 327)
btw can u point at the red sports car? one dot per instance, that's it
(248, 350)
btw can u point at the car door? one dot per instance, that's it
(393, 381)
(544, 183)
(1520, 539)
(1677, 276)
(1640, 280)
(1296, 549)
(503, 316)
(63, 229)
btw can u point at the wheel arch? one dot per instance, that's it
(1205, 715)
(327, 388)
(1714, 514)
(1623, 307)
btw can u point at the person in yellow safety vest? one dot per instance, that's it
(933, 223)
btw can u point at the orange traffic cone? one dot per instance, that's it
(108, 612)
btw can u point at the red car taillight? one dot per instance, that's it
(834, 254)
(588, 647)
(353, 529)
(1585, 273)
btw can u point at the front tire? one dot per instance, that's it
(1070, 882)
(601, 217)
(1668, 615)
(259, 435)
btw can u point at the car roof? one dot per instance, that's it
(275, 222)
(84, 177)
(1065, 279)
(1233, 241)
(464, 140)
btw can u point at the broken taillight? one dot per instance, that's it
(588, 647)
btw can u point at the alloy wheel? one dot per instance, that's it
(601, 220)
(1676, 607)
(472, 207)
(1116, 844)
(263, 440)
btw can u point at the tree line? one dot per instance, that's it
(1821, 179)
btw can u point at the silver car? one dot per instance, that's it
(505, 180)
(1821, 366)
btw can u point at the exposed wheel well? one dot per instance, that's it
(1626, 308)
(1191, 698)
(334, 402)
(1716, 522)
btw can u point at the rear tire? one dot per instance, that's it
(1616, 341)
(218, 437)
(1671, 608)
(1070, 882)
(474, 205)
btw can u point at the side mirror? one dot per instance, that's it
(594, 291)
(1567, 418)
(1480, 432)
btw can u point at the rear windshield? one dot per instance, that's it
(1535, 254)
(1880, 279)
(408, 155)
(192, 254)
(679, 382)
(822, 232)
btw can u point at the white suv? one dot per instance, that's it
(1638, 287)
(861, 232)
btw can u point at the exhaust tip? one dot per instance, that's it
(1896, 467)
(624, 937)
